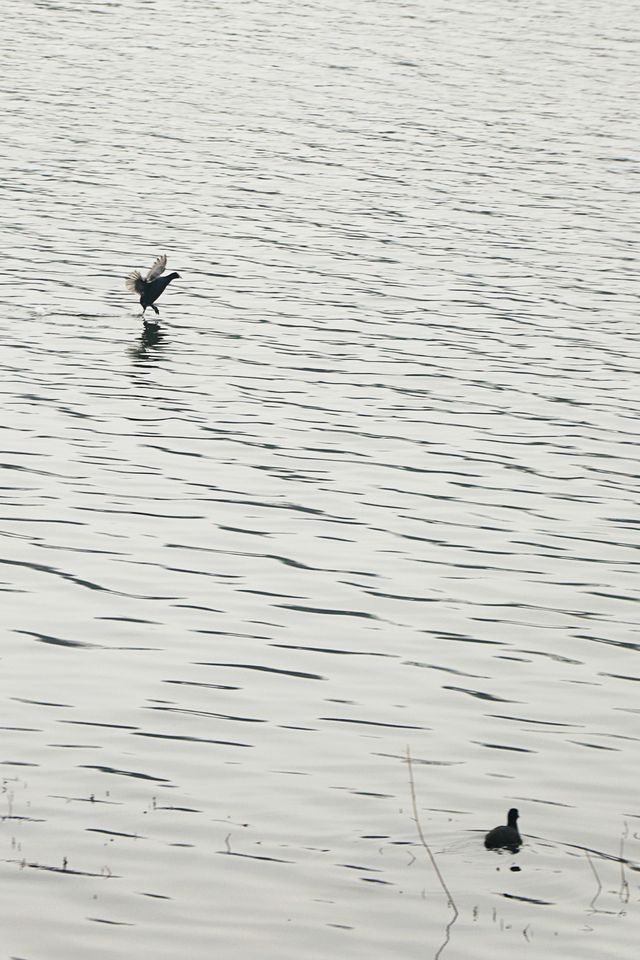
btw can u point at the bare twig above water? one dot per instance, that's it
(595, 873)
(624, 885)
(416, 818)
(424, 843)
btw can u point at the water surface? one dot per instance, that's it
(372, 485)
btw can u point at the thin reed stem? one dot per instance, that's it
(423, 841)
(595, 873)
(624, 886)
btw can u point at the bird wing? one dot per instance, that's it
(156, 269)
(135, 283)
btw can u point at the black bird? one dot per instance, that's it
(150, 287)
(505, 836)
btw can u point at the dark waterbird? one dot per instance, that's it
(507, 836)
(150, 287)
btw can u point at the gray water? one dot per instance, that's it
(372, 485)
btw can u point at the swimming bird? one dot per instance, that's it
(150, 287)
(506, 836)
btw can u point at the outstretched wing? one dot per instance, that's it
(156, 269)
(135, 283)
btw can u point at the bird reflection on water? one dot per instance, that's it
(152, 341)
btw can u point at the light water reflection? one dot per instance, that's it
(371, 484)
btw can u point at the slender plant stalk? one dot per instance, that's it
(423, 841)
(624, 886)
(595, 873)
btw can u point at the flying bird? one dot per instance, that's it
(150, 287)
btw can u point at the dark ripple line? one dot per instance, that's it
(315, 511)
(41, 520)
(502, 746)
(89, 584)
(207, 713)
(479, 694)
(123, 773)
(198, 683)
(65, 870)
(144, 513)
(253, 856)
(111, 923)
(56, 641)
(287, 561)
(544, 723)
(255, 666)
(594, 746)
(346, 653)
(331, 613)
(394, 596)
(95, 723)
(374, 723)
(618, 676)
(116, 833)
(22, 729)
(556, 657)
(433, 666)
(624, 644)
(175, 736)
(229, 633)
(45, 568)
(42, 703)
(542, 903)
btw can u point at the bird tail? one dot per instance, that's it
(135, 283)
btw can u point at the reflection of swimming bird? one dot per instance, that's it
(150, 287)
(505, 836)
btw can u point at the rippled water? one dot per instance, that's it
(372, 484)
